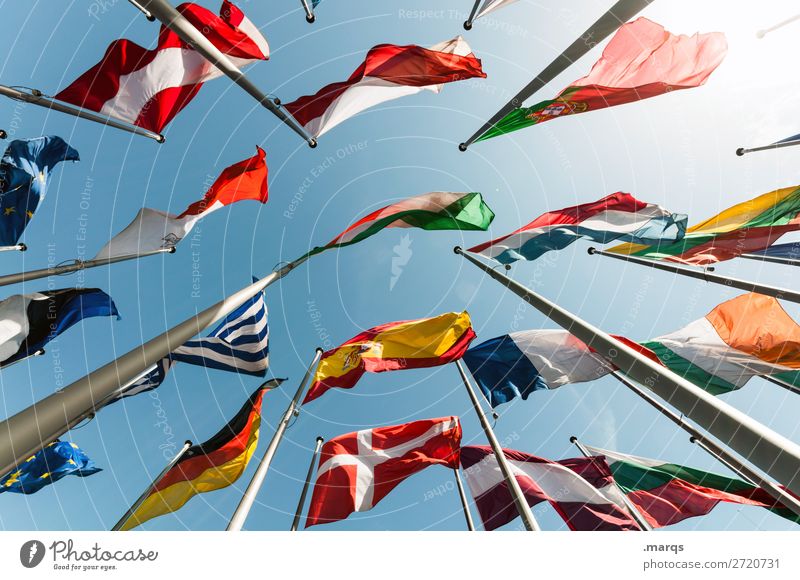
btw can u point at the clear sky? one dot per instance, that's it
(676, 150)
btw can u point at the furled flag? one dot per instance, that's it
(430, 211)
(30, 321)
(641, 60)
(410, 344)
(747, 336)
(149, 87)
(24, 171)
(357, 470)
(746, 227)
(490, 6)
(618, 216)
(667, 493)
(389, 72)
(212, 465)
(581, 490)
(152, 229)
(46, 466)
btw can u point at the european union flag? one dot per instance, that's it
(24, 170)
(58, 459)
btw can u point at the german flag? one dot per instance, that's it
(212, 465)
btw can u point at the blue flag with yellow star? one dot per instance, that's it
(58, 459)
(24, 170)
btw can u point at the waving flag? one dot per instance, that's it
(582, 490)
(746, 227)
(56, 460)
(618, 216)
(149, 87)
(667, 493)
(411, 344)
(24, 172)
(357, 470)
(431, 211)
(152, 229)
(389, 72)
(789, 250)
(747, 336)
(30, 321)
(641, 60)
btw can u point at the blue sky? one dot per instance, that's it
(676, 150)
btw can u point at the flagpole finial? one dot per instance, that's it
(188, 443)
(320, 439)
(462, 147)
(312, 143)
(467, 25)
(22, 247)
(172, 250)
(319, 350)
(573, 439)
(160, 139)
(457, 250)
(740, 151)
(310, 18)
(3, 134)
(591, 251)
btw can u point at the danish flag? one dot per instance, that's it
(359, 469)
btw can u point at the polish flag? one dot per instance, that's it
(149, 87)
(359, 469)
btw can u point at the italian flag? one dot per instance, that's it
(747, 336)
(667, 493)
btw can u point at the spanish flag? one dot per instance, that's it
(411, 344)
(215, 464)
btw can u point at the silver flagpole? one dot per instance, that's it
(249, 496)
(513, 485)
(746, 285)
(764, 32)
(310, 18)
(39, 352)
(774, 454)
(29, 430)
(126, 516)
(75, 267)
(143, 10)
(302, 501)
(15, 248)
(36, 97)
(771, 259)
(471, 18)
(464, 503)
(607, 24)
(782, 384)
(632, 509)
(780, 145)
(178, 24)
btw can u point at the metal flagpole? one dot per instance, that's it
(178, 24)
(607, 24)
(143, 10)
(771, 259)
(632, 509)
(126, 516)
(15, 248)
(464, 503)
(513, 486)
(783, 384)
(36, 97)
(763, 33)
(779, 145)
(774, 454)
(746, 285)
(75, 267)
(302, 502)
(39, 352)
(31, 429)
(310, 18)
(471, 18)
(249, 496)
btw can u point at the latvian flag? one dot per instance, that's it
(149, 87)
(389, 72)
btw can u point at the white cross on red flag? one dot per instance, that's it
(359, 469)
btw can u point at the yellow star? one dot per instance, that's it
(10, 210)
(29, 213)
(44, 476)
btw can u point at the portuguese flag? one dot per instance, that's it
(667, 493)
(642, 60)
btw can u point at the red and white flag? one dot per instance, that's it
(149, 87)
(359, 469)
(389, 72)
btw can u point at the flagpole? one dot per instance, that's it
(126, 516)
(249, 496)
(634, 511)
(35, 97)
(310, 18)
(143, 10)
(774, 454)
(472, 13)
(75, 267)
(783, 384)
(779, 145)
(764, 32)
(39, 352)
(607, 24)
(513, 485)
(463, 497)
(771, 259)
(746, 285)
(302, 502)
(14, 248)
(25, 433)
(178, 24)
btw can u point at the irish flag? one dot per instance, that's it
(746, 227)
(667, 493)
(642, 60)
(747, 336)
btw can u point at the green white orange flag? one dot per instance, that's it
(642, 60)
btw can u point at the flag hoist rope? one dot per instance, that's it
(769, 451)
(301, 503)
(607, 24)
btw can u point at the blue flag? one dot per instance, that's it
(24, 170)
(58, 459)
